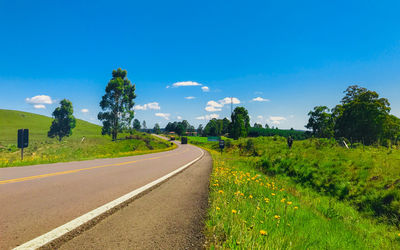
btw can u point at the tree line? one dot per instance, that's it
(362, 116)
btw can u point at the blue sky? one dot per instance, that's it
(295, 54)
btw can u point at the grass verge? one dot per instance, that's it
(250, 210)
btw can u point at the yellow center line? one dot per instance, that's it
(81, 169)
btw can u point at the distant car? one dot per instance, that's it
(184, 140)
(172, 138)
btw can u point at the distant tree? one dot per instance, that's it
(225, 126)
(266, 125)
(320, 122)
(156, 128)
(144, 125)
(180, 129)
(362, 116)
(136, 125)
(212, 128)
(63, 122)
(200, 129)
(240, 123)
(117, 104)
(257, 125)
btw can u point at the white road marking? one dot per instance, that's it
(72, 225)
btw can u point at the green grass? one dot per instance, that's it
(46, 150)
(240, 185)
(197, 138)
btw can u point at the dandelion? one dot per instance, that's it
(296, 207)
(258, 208)
(289, 203)
(263, 232)
(217, 208)
(283, 200)
(251, 196)
(273, 194)
(277, 217)
(266, 200)
(220, 191)
(242, 194)
(234, 211)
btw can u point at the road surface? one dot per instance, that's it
(36, 199)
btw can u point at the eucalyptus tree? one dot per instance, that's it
(117, 104)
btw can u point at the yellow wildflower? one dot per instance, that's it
(283, 200)
(277, 217)
(234, 211)
(273, 194)
(251, 196)
(217, 208)
(262, 232)
(258, 208)
(220, 191)
(289, 203)
(296, 208)
(266, 200)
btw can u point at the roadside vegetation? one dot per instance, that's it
(316, 195)
(86, 142)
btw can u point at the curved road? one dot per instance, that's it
(36, 199)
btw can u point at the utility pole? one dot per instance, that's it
(231, 106)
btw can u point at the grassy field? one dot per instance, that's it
(253, 205)
(46, 150)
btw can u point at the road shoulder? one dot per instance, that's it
(169, 217)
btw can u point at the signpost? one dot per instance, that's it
(23, 140)
(221, 145)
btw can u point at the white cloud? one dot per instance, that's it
(205, 89)
(39, 106)
(167, 87)
(163, 115)
(40, 99)
(179, 117)
(208, 117)
(228, 100)
(260, 117)
(187, 83)
(212, 109)
(151, 105)
(260, 99)
(190, 97)
(85, 110)
(276, 119)
(214, 104)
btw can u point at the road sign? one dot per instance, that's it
(221, 144)
(23, 138)
(213, 138)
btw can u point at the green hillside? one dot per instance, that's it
(48, 150)
(38, 125)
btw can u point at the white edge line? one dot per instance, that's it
(69, 226)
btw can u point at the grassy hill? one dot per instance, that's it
(38, 125)
(47, 150)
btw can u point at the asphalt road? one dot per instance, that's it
(36, 199)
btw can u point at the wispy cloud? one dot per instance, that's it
(39, 106)
(229, 100)
(163, 115)
(260, 117)
(276, 119)
(179, 117)
(151, 105)
(208, 117)
(212, 109)
(260, 99)
(187, 83)
(205, 89)
(190, 97)
(85, 110)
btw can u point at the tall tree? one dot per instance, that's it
(362, 116)
(257, 125)
(144, 125)
(63, 122)
(200, 129)
(320, 122)
(240, 123)
(117, 104)
(136, 125)
(156, 128)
